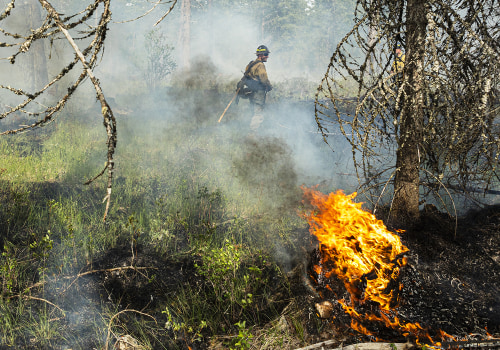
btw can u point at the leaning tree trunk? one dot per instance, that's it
(406, 185)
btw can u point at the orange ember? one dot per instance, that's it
(358, 249)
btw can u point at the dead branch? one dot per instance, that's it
(53, 26)
(107, 113)
(144, 14)
(27, 297)
(135, 268)
(460, 140)
(166, 14)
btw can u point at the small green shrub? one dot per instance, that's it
(244, 337)
(9, 271)
(220, 266)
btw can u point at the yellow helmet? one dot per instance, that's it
(262, 50)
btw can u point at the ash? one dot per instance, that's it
(452, 278)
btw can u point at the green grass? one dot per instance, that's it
(178, 192)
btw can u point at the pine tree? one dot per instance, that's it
(430, 129)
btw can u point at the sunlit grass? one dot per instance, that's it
(177, 191)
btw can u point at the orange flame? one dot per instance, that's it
(360, 251)
(358, 244)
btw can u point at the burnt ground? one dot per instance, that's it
(451, 282)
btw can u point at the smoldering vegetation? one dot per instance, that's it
(203, 246)
(203, 218)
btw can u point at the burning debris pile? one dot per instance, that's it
(426, 287)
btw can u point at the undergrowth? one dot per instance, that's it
(177, 196)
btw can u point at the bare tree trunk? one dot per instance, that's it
(185, 33)
(36, 70)
(372, 35)
(406, 185)
(211, 13)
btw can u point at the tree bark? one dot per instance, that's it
(372, 35)
(405, 208)
(185, 33)
(37, 74)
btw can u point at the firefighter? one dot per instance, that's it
(257, 86)
(399, 60)
(397, 67)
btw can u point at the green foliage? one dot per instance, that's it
(179, 199)
(159, 60)
(236, 279)
(11, 318)
(9, 270)
(242, 341)
(234, 288)
(42, 330)
(220, 266)
(193, 332)
(41, 246)
(134, 235)
(15, 209)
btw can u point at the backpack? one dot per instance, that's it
(246, 86)
(244, 90)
